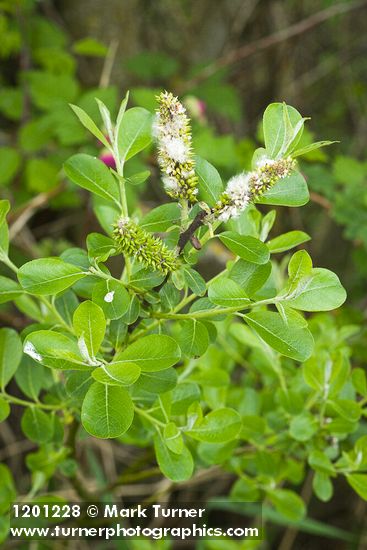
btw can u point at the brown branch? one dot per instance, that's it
(275, 38)
(20, 217)
(319, 199)
(76, 481)
(187, 235)
(290, 535)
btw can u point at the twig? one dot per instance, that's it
(18, 447)
(275, 38)
(108, 64)
(291, 533)
(83, 492)
(21, 217)
(187, 235)
(319, 199)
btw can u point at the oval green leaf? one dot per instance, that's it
(48, 276)
(246, 247)
(10, 354)
(117, 373)
(290, 338)
(107, 411)
(92, 174)
(152, 353)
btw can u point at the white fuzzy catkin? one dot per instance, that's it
(246, 188)
(172, 131)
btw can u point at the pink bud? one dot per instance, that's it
(108, 160)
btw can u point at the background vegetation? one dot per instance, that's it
(227, 60)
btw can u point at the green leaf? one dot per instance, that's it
(4, 231)
(9, 290)
(48, 276)
(210, 182)
(194, 281)
(302, 427)
(100, 247)
(177, 467)
(11, 102)
(289, 191)
(37, 425)
(90, 125)
(319, 291)
(227, 293)
(161, 218)
(346, 408)
(247, 248)
(158, 382)
(90, 47)
(106, 212)
(132, 312)
(8, 492)
(325, 373)
(138, 179)
(92, 174)
(10, 355)
(279, 124)
(320, 462)
(152, 353)
(322, 486)
(311, 147)
(112, 297)
(41, 175)
(218, 426)
(54, 350)
(287, 503)
(211, 377)
(359, 483)
(290, 338)
(4, 409)
(121, 113)
(287, 241)
(9, 162)
(90, 326)
(183, 395)
(77, 384)
(107, 411)
(50, 91)
(107, 122)
(173, 438)
(250, 277)
(4, 209)
(169, 296)
(193, 338)
(145, 278)
(359, 381)
(32, 377)
(134, 133)
(117, 373)
(299, 266)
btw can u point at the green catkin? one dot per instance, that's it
(173, 133)
(138, 243)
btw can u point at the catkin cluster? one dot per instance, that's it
(173, 133)
(248, 187)
(150, 251)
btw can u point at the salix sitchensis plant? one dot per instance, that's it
(145, 350)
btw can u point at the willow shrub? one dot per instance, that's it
(226, 371)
